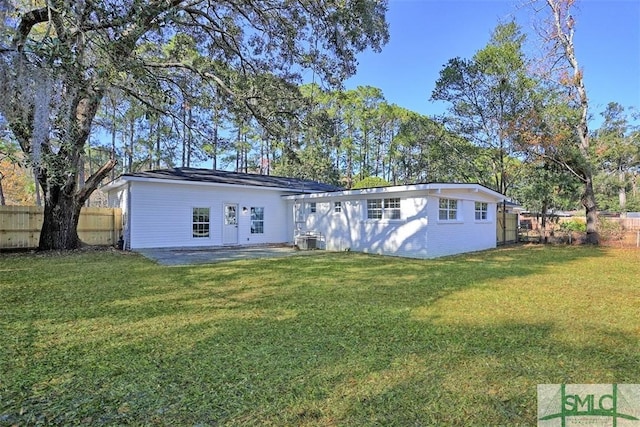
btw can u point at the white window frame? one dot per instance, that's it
(384, 209)
(374, 209)
(257, 222)
(482, 211)
(200, 222)
(391, 208)
(450, 210)
(312, 207)
(337, 207)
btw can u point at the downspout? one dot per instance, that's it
(127, 233)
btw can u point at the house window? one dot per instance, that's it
(448, 210)
(383, 208)
(337, 207)
(391, 209)
(374, 209)
(312, 207)
(481, 211)
(257, 220)
(200, 222)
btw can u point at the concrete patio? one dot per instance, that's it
(192, 256)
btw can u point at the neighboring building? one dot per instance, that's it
(188, 207)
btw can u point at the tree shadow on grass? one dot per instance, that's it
(332, 339)
(400, 372)
(311, 370)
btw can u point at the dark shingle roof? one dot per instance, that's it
(235, 178)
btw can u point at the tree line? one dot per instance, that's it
(506, 128)
(345, 138)
(98, 89)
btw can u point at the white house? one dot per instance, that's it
(188, 207)
(421, 220)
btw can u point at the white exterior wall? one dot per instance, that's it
(161, 214)
(351, 230)
(418, 234)
(465, 234)
(119, 199)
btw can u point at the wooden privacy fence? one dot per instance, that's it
(507, 228)
(627, 223)
(20, 226)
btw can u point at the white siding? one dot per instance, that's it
(417, 234)
(161, 214)
(350, 229)
(464, 235)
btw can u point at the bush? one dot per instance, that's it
(573, 225)
(610, 230)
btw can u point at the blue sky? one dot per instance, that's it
(425, 34)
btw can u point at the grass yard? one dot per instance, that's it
(108, 338)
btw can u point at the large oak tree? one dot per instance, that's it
(59, 59)
(572, 151)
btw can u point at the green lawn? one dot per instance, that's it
(108, 338)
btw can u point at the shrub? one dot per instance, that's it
(573, 225)
(609, 229)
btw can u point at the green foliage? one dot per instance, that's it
(488, 95)
(573, 225)
(371, 182)
(544, 186)
(356, 134)
(617, 151)
(186, 62)
(8, 149)
(310, 163)
(633, 203)
(109, 338)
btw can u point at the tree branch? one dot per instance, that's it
(92, 183)
(27, 22)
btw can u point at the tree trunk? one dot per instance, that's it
(2, 201)
(189, 138)
(591, 212)
(59, 229)
(622, 193)
(62, 208)
(214, 154)
(564, 32)
(37, 188)
(158, 154)
(113, 138)
(132, 135)
(81, 172)
(545, 206)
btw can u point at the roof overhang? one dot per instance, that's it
(432, 188)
